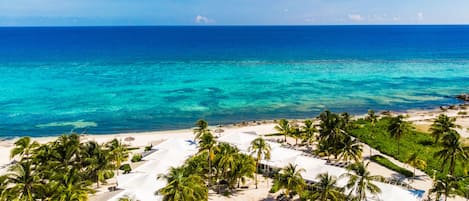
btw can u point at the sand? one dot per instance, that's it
(421, 118)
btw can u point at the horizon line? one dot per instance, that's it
(225, 25)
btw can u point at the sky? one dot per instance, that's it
(231, 12)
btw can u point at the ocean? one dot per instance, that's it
(56, 80)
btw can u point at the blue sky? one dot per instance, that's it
(231, 12)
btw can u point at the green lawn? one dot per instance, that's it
(414, 142)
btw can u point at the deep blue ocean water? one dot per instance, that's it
(121, 79)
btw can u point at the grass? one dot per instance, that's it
(388, 164)
(379, 138)
(273, 134)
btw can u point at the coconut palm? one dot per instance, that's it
(453, 152)
(416, 162)
(42, 158)
(397, 128)
(290, 179)
(441, 126)
(372, 117)
(226, 160)
(118, 153)
(308, 130)
(23, 147)
(283, 128)
(97, 162)
(326, 189)
(183, 186)
(201, 127)
(350, 149)
(261, 149)
(66, 151)
(446, 186)
(207, 143)
(296, 133)
(331, 128)
(245, 168)
(198, 165)
(70, 187)
(361, 181)
(346, 120)
(22, 182)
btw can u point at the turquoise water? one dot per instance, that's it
(106, 92)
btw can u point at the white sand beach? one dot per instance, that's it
(421, 118)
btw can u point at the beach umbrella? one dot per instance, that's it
(129, 139)
(219, 129)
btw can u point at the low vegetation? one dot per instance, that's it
(388, 164)
(442, 151)
(136, 158)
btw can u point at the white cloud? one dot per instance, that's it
(199, 19)
(355, 17)
(420, 16)
(396, 18)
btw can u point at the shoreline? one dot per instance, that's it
(421, 119)
(414, 115)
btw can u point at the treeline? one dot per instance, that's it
(63, 170)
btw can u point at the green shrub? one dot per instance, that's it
(148, 148)
(136, 158)
(388, 164)
(126, 168)
(462, 113)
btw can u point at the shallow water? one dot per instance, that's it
(120, 79)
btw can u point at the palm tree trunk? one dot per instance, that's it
(97, 181)
(257, 166)
(209, 169)
(413, 178)
(285, 137)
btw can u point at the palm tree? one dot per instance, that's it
(245, 168)
(332, 128)
(453, 151)
(308, 130)
(283, 128)
(226, 161)
(70, 187)
(201, 127)
(66, 151)
(441, 126)
(207, 143)
(346, 120)
(119, 153)
(361, 181)
(351, 149)
(23, 147)
(372, 117)
(398, 127)
(296, 133)
(290, 179)
(261, 149)
(446, 186)
(416, 162)
(97, 162)
(23, 182)
(326, 190)
(183, 186)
